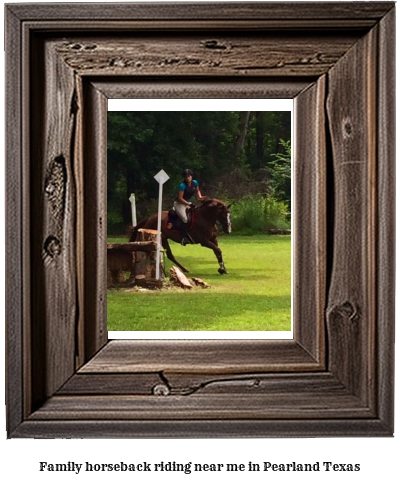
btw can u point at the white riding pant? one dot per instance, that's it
(181, 210)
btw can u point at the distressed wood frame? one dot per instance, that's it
(335, 378)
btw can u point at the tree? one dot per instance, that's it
(226, 150)
(243, 128)
(280, 171)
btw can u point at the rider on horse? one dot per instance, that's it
(187, 189)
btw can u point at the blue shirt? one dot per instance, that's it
(188, 191)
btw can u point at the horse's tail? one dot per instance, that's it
(134, 230)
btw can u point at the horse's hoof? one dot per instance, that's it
(222, 271)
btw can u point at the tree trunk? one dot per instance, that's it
(243, 127)
(146, 261)
(260, 136)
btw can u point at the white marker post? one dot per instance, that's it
(161, 177)
(132, 200)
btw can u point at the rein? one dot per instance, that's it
(209, 211)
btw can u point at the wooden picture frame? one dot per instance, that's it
(335, 378)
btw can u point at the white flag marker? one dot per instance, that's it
(161, 177)
(132, 200)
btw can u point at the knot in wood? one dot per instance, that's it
(52, 246)
(50, 189)
(347, 128)
(90, 47)
(346, 310)
(213, 44)
(54, 186)
(161, 390)
(349, 310)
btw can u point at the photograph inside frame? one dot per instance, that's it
(199, 218)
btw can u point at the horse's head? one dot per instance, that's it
(223, 215)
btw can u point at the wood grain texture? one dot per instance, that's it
(202, 407)
(190, 428)
(78, 175)
(200, 356)
(111, 384)
(206, 11)
(309, 222)
(184, 384)
(95, 218)
(142, 87)
(275, 396)
(14, 259)
(385, 272)
(351, 306)
(53, 220)
(217, 55)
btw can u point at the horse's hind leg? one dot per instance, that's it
(170, 256)
(213, 244)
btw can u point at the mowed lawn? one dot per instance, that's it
(255, 295)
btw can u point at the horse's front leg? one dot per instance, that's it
(214, 246)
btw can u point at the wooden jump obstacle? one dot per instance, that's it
(137, 258)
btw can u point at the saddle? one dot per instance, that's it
(173, 221)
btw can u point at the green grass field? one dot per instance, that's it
(255, 295)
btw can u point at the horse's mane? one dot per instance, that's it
(207, 200)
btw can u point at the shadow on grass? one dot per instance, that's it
(197, 311)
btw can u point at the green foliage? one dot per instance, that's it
(114, 224)
(230, 159)
(280, 170)
(257, 214)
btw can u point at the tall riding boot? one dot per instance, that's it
(184, 228)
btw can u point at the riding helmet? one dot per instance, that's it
(187, 172)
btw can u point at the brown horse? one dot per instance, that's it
(203, 229)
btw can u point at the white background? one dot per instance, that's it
(20, 458)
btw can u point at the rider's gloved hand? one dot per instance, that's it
(192, 205)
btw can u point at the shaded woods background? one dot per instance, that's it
(240, 157)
